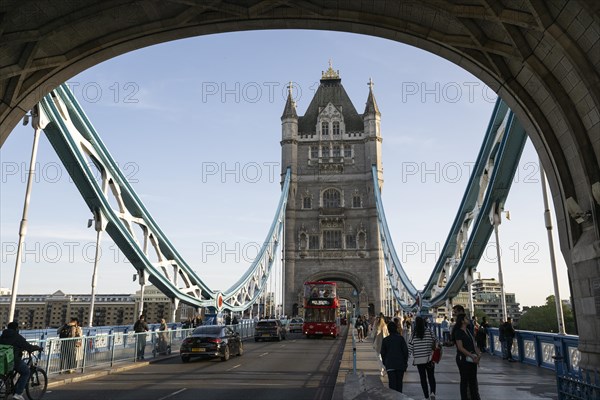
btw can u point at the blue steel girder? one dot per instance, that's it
(505, 164)
(78, 146)
(471, 201)
(488, 187)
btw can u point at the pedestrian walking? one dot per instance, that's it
(360, 329)
(481, 336)
(502, 339)
(467, 358)
(509, 337)
(445, 325)
(394, 355)
(140, 328)
(380, 332)
(421, 346)
(69, 347)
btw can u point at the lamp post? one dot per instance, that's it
(39, 122)
(142, 280)
(548, 220)
(99, 225)
(495, 220)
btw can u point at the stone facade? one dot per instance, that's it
(40, 311)
(331, 222)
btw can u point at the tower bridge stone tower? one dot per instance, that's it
(331, 227)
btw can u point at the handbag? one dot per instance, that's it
(436, 355)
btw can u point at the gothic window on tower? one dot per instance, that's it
(325, 128)
(331, 198)
(307, 202)
(356, 201)
(347, 151)
(313, 242)
(314, 152)
(337, 151)
(350, 241)
(335, 128)
(303, 241)
(362, 240)
(332, 239)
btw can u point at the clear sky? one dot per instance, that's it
(195, 125)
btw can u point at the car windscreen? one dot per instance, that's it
(267, 323)
(208, 330)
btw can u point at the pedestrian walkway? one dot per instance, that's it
(498, 379)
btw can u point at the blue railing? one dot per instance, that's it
(559, 353)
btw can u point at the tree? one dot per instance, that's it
(543, 318)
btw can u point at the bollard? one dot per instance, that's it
(353, 352)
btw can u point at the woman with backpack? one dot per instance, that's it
(69, 347)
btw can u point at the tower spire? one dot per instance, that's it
(371, 105)
(290, 105)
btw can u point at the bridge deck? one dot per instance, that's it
(498, 379)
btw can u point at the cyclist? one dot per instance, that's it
(11, 336)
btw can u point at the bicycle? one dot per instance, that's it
(36, 385)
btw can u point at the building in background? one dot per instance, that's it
(40, 311)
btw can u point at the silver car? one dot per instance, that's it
(295, 325)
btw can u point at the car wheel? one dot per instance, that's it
(256, 339)
(225, 356)
(240, 349)
(185, 358)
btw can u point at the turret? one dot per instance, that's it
(289, 134)
(372, 123)
(372, 116)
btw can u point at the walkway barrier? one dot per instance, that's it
(550, 351)
(104, 349)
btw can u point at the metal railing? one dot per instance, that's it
(104, 349)
(559, 353)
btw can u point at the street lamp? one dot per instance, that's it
(99, 224)
(142, 285)
(39, 122)
(548, 220)
(495, 220)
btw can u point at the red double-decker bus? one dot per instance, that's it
(321, 309)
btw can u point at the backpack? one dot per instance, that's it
(65, 332)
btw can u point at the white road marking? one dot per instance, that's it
(263, 354)
(173, 394)
(234, 367)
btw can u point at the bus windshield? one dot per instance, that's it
(320, 290)
(319, 315)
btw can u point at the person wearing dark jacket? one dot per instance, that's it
(140, 328)
(394, 354)
(509, 336)
(10, 336)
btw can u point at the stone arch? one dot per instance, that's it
(540, 57)
(364, 293)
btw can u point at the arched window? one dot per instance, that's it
(325, 128)
(362, 240)
(303, 241)
(337, 151)
(336, 128)
(314, 152)
(331, 198)
(307, 202)
(356, 201)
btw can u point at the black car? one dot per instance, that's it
(211, 341)
(267, 329)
